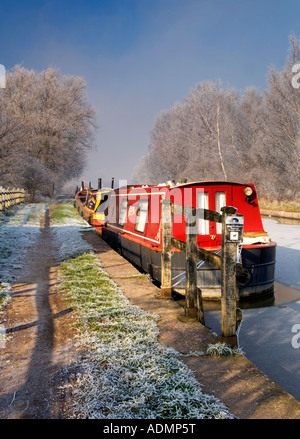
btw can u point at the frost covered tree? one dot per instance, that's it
(199, 138)
(218, 133)
(44, 117)
(280, 127)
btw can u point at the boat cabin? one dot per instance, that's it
(133, 227)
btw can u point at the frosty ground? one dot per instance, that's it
(74, 346)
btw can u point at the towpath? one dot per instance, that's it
(39, 345)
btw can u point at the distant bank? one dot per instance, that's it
(280, 214)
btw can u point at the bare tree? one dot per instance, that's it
(197, 138)
(45, 116)
(35, 179)
(280, 126)
(13, 107)
(215, 115)
(218, 133)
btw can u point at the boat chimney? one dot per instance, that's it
(99, 183)
(112, 182)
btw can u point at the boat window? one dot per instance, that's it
(141, 216)
(92, 203)
(202, 203)
(220, 198)
(123, 212)
(102, 205)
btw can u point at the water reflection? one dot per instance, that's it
(282, 294)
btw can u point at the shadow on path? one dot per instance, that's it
(29, 372)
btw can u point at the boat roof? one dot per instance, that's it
(212, 182)
(173, 185)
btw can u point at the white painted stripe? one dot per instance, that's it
(140, 193)
(132, 233)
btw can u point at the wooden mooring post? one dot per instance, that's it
(193, 296)
(166, 266)
(232, 231)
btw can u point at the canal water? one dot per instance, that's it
(270, 331)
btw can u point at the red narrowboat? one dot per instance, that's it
(91, 203)
(97, 217)
(85, 200)
(133, 227)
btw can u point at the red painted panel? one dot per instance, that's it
(186, 194)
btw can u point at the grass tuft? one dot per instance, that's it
(220, 349)
(127, 373)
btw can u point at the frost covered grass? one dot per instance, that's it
(127, 374)
(5, 289)
(19, 229)
(65, 213)
(67, 226)
(219, 349)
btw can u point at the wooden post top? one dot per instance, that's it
(229, 210)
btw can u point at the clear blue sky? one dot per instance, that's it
(139, 57)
